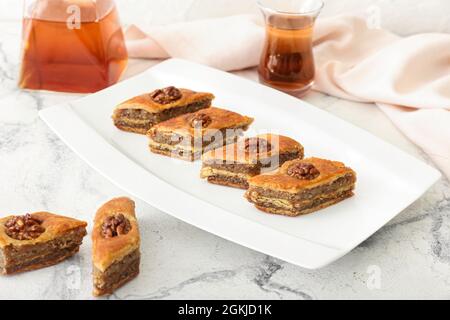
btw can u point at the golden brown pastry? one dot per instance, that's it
(38, 240)
(188, 136)
(302, 186)
(115, 246)
(234, 164)
(140, 113)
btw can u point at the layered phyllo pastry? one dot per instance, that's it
(232, 165)
(302, 186)
(188, 136)
(140, 113)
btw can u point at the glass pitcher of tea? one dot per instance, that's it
(287, 61)
(71, 45)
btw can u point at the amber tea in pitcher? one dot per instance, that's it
(287, 61)
(71, 45)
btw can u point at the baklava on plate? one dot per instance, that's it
(38, 240)
(232, 165)
(140, 113)
(115, 246)
(188, 136)
(302, 186)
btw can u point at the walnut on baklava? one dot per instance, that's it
(38, 240)
(115, 246)
(302, 186)
(234, 164)
(188, 136)
(140, 113)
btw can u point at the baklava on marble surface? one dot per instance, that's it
(232, 165)
(115, 246)
(140, 113)
(38, 240)
(302, 186)
(188, 136)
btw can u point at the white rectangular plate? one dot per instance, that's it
(388, 179)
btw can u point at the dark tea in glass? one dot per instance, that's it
(287, 61)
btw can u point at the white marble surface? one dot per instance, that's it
(410, 256)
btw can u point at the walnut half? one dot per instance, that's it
(24, 227)
(166, 95)
(200, 120)
(256, 145)
(116, 225)
(303, 171)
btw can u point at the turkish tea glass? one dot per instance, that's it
(287, 60)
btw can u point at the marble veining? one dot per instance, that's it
(408, 258)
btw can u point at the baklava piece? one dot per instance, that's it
(38, 240)
(140, 113)
(234, 164)
(188, 136)
(115, 246)
(302, 186)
